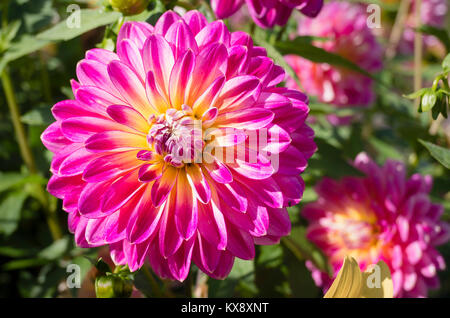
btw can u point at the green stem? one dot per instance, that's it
(153, 283)
(26, 153)
(45, 80)
(417, 51)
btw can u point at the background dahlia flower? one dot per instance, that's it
(432, 12)
(345, 26)
(383, 216)
(267, 13)
(130, 151)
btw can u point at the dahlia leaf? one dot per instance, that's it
(439, 153)
(89, 19)
(318, 55)
(10, 212)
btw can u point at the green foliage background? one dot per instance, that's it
(40, 54)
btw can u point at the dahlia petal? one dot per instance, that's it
(90, 200)
(195, 20)
(224, 9)
(231, 194)
(181, 39)
(60, 186)
(166, 21)
(279, 222)
(130, 54)
(96, 100)
(144, 219)
(179, 78)
(180, 263)
(150, 172)
(101, 55)
(219, 171)
(251, 118)
(169, 240)
(206, 254)
(211, 58)
(241, 91)
(185, 209)
(53, 139)
(79, 129)
(128, 116)
(198, 183)
(110, 166)
(154, 95)
(215, 32)
(115, 141)
(120, 192)
(137, 32)
(162, 186)
(130, 87)
(237, 60)
(158, 58)
(212, 226)
(94, 73)
(76, 162)
(209, 96)
(240, 243)
(70, 108)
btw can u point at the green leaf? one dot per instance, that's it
(446, 63)
(318, 55)
(89, 19)
(10, 180)
(26, 45)
(439, 153)
(303, 249)
(441, 34)
(10, 212)
(8, 34)
(56, 250)
(419, 93)
(41, 116)
(24, 263)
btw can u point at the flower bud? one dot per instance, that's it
(113, 286)
(129, 7)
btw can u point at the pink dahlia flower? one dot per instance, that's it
(432, 12)
(383, 216)
(179, 147)
(345, 25)
(267, 13)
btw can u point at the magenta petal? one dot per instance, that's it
(144, 220)
(169, 240)
(120, 192)
(180, 263)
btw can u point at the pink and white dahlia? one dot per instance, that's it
(345, 26)
(267, 13)
(382, 216)
(179, 147)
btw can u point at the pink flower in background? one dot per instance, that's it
(345, 26)
(383, 216)
(432, 12)
(130, 151)
(267, 13)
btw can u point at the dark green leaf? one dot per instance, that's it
(439, 153)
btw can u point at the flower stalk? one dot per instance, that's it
(27, 154)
